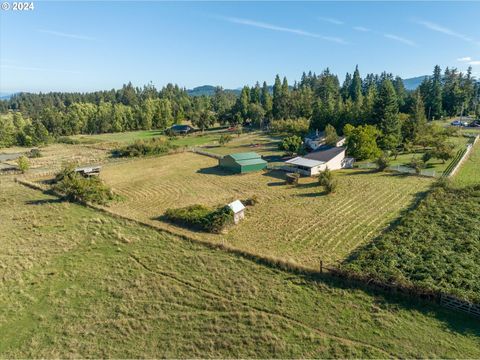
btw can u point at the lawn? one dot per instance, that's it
(195, 139)
(261, 143)
(299, 224)
(76, 283)
(469, 172)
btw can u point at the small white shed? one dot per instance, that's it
(238, 210)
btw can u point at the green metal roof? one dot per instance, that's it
(251, 162)
(245, 156)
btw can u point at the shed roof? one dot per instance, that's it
(325, 154)
(301, 161)
(245, 156)
(251, 162)
(236, 206)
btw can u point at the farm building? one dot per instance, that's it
(316, 140)
(317, 161)
(180, 129)
(242, 163)
(238, 210)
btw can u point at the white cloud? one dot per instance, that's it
(267, 26)
(465, 59)
(474, 62)
(62, 34)
(400, 39)
(444, 30)
(332, 20)
(361, 28)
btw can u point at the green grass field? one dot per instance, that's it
(435, 246)
(76, 283)
(299, 224)
(469, 172)
(196, 139)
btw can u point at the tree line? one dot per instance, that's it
(379, 100)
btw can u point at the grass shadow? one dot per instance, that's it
(313, 194)
(44, 201)
(215, 170)
(275, 174)
(278, 183)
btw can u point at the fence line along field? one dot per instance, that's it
(299, 224)
(76, 283)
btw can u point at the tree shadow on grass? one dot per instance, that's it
(164, 219)
(313, 194)
(278, 183)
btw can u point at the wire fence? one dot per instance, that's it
(401, 169)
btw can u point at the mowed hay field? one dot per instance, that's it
(76, 283)
(298, 224)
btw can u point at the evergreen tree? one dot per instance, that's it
(385, 114)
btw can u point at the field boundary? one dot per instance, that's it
(412, 291)
(449, 172)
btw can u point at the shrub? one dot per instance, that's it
(417, 165)
(34, 153)
(68, 140)
(201, 217)
(291, 144)
(155, 146)
(224, 139)
(23, 164)
(297, 127)
(326, 179)
(75, 187)
(251, 201)
(427, 156)
(382, 162)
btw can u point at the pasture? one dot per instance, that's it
(469, 172)
(298, 224)
(76, 283)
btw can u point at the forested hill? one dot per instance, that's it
(381, 100)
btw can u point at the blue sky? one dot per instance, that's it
(94, 45)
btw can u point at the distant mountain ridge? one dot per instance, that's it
(414, 83)
(209, 90)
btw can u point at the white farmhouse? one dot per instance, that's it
(313, 163)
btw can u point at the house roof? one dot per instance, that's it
(236, 206)
(245, 156)
(325, 153)
(301, 161)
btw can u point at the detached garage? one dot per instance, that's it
(242, 163)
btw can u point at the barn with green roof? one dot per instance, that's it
(241, 163)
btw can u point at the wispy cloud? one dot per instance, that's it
(67, 35)
(400, 39)
(469, 60)
(444, 30)
(29, 68)
(267, 26)
(361, 28)
(331, 20)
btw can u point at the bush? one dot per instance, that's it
(224, 139)
(34, 153)
(155, 146)
(382, 162)
(297, 127)
(68, 140)
(252, 201)
(417, 165)
(292, 144)
(74, 187)
(23, 164)
(326, 179)
(201, 217)
(427, 156)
